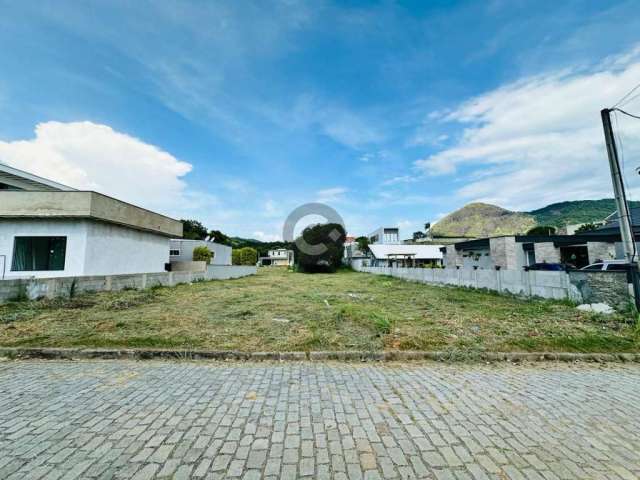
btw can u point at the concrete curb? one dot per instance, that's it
(343, 356)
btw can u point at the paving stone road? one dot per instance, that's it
(146, 420)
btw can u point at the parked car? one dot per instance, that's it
(549, 267)
(608, 266)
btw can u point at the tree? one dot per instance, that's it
(363, 244)
(329, 246)
(418, 235)
(202, 254)
(193, 230)
(220, 237)
(244, 256)
(586, 227)
(542, 230)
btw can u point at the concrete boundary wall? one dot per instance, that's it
(581, 287)
(33, 288)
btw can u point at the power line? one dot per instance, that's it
(624, 98)
(626, 113)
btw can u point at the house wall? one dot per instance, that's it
(601, 251)
(222, 253)
(481, 258)
(74, 230)
(506, 253)
(93, 248)
(115, 250)
(451, 257)
(546, 252)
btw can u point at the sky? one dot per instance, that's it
(393, 113)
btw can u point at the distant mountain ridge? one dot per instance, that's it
(485, 220)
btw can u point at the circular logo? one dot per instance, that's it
(314, 208)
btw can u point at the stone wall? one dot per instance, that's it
(504, 253)
(546, 252)
(64, 286)
(599, 251)
(612, 288)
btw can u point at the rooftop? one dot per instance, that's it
(15, 179)
(381, 251)
(87, 205)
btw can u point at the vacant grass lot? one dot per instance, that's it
(278, 310)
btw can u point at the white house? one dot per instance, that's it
(181, 250)
(279, 257)
(51, 230)
(403, 255)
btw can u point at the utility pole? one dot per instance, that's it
(624, 217)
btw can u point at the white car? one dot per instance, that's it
(609, 266)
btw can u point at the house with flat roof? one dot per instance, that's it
(278, 257)
(51, 230)
(514, 252)
(384, 235)
(404, 255)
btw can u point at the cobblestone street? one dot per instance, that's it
(145, 420)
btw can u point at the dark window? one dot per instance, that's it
(620, 267)
(38, 253)
(174, 253)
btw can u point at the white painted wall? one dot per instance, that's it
(114, 250)
(93, 248)
(74, 230)
(222, 253)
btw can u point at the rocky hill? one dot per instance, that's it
(484, 220)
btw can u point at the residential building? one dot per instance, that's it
(181, 250)
(353, 256)
(518, 251)
(51, 230)
(279, 257)
(384, 236)
(403, 255)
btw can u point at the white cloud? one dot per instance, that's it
(401, 179)
(334, 194)
(266, 237)
(90, 156)
(539, 139)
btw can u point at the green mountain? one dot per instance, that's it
(484, 220)
(577, 211)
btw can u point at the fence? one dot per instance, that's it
(34, 288)
(579, 286)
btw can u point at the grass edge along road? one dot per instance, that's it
(281, 310)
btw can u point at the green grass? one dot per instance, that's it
(280, 310)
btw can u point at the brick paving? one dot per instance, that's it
(181, 420)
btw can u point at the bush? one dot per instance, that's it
(202, 254)
(331, 258)
(542, 230)
(244, 256)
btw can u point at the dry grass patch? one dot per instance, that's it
(279, 310)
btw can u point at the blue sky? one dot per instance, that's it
(393, 113)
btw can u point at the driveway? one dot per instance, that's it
(144, 420)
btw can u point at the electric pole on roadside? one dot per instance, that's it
(624, 217)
